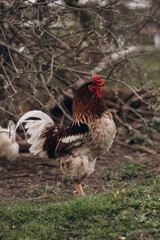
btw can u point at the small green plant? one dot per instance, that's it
(67, 179)
(141, 139)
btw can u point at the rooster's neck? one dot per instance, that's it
(87, 107)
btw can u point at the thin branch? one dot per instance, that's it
(59, 40)
(125, 124)
(8, 112)
(53, 98)
(7, 77)
(127, 85)
(136, 147)
(52, 61)
(16, 50)
(12, 60)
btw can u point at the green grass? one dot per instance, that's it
(124, 172)
(128, 212)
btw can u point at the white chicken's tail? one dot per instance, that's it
(35, 129)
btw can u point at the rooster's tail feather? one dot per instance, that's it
(35, 128)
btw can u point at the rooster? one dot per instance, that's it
(9, 148)
(77, 146)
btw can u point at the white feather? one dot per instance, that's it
(35, 128)
(72, 138)
(34, 114)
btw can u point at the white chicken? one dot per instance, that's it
(9, 148)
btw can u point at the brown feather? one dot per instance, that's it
(54, 144)
(61, 145)
(87, 106)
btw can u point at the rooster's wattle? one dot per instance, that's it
(77, 146)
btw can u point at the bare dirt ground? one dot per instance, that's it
(28, 173)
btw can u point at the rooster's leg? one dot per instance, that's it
(79, 189)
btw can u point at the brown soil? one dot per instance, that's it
(28, 173)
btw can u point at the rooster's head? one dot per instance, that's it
(96, 84)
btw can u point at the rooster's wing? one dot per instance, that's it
(63, 139)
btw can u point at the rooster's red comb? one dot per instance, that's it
(97, 80)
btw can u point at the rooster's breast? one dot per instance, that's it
(102, 132)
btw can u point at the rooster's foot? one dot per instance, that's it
(79, 190)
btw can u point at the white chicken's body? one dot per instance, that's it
(9, 148)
